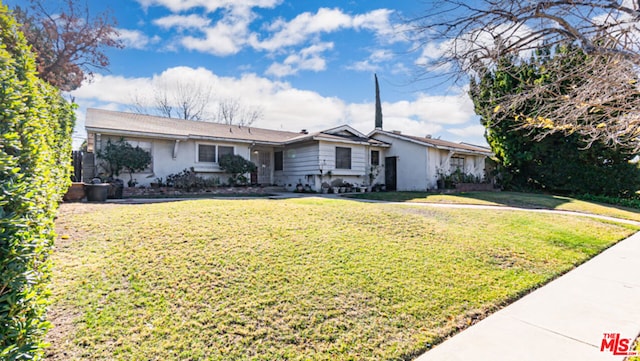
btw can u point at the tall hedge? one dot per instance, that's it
(36, 124)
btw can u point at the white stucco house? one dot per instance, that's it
(284, 158)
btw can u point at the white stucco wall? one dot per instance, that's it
(163, 162)
(412, 163)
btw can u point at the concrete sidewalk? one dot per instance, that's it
(564, 320)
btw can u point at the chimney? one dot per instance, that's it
(378, 105)
(304, 131)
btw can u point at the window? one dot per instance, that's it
(343, 158)
(278, 161)
(457, 163)
(206, 153)
(222, 151)
(375, 157)
(146, 146)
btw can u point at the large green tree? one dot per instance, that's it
(560, 162)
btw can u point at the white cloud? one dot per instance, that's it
(435, 56)
(372, 63)
(307, 59)
(135, 39)
(288, 108)
(364, 66)
(227, 37)
(298, 30)
(210, 5)
(379, 22)
(182, 22)
(306, 25)
(469, 132)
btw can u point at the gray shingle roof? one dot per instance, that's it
(99, 120)
(438, 143)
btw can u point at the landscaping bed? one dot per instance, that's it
(159, 192)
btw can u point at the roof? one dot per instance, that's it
(437, 143)
(342, 134)
(130, 124)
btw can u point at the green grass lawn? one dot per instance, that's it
(299, 279)
(511, 199)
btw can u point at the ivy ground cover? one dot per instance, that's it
(299, 279)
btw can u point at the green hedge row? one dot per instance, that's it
(36, 124)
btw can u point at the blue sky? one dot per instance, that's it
(305, 64)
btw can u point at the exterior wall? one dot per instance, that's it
(163, 162)
(314, 163)
(473, 164)
(359, 163)
(413, 164)
(300, 165)
(375, 174)
(438, 163)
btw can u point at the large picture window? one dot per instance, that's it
(278, 160)
(343, 158)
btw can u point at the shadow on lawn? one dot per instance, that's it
(510, 199)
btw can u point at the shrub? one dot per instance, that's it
(35, 154)
(122, 155)
(187, 179)
(237, 167)
(624, 202)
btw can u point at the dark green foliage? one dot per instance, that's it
(122, 155)
(35, 147)
(558, 163)
(189, 180)
(624, 202)
(237, 167)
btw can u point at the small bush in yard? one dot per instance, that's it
(237, 167)
(35, 146)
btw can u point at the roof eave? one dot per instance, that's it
(443, 147)
(121, 132)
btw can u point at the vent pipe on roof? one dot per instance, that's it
(428, 136)
(304, 131)
(396, 132)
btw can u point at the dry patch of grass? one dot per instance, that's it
(295, 279)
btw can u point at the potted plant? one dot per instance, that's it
(325, 187)
(97, 191)
(75, 192)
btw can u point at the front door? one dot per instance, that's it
(390, 174)
(262, 160)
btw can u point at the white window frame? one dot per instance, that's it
(216, 149)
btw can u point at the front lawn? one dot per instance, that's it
(299, 279)
(511, 199)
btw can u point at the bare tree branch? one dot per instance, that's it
(603, 103)
(231, 111)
